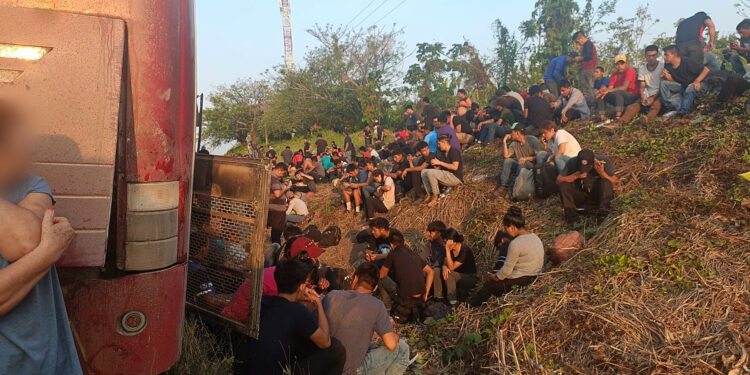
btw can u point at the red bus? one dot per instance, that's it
(114, 84)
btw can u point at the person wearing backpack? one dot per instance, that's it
(587, 182)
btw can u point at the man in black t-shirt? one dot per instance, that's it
(681, 81)
(289, 334)
(689, 37)
(412, 275)
(418, 163)
(538, 111)
(447, 170)
(587, 182)
(429, 112)
(410, 118)
(321, 145)
(306, 147)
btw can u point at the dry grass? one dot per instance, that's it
(662, 287)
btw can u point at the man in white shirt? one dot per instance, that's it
(561, 146)
(649, 78)
(385, 195)
(297, 210)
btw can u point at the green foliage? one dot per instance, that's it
(234, 111)
(203, 352)
(658, 149)
(618, 263)
(626, 38)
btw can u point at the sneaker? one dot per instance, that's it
(671, 114)
(453, 302)
(411, 361)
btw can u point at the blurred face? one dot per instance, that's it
(512, 230)
(425, 151)
(462, 95)
(669, 57)
(651, 57)
(565, 91)
(548, 134)
(449, 245)
(598, 74)
(378, 179)
(379, 232)
(433, 235)
(622, 66)
(744, 33)
(517, 136)
(580, 40)
(398, 158)
(15, 153)
(444, 145)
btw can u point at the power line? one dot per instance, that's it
(371, 13)
(360, 13)
(389, 12)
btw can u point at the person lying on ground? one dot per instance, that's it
(561, 146)
(297, 210)
(459, 271)
(681, 82)
(518, 149)
(412, 276)
(355, 316)
(418, 163)
(649, 79)
(384, 198)
(524, 261)
(289, 334)
(447, 170)
(571, 104)
(622, 90)
(32, 239)
(350, 188)
(377, 238)
(587, 182)
(434, 250)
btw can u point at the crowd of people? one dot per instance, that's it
(317, 324)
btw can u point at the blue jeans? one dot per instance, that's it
(559, 160)
(379, 360)
(510, 167)
(491, 131)
(677, 97)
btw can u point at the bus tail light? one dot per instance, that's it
(152, 222)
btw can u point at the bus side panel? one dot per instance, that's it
(96, 308)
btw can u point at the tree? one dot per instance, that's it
(627, 37)
(506, 64)
(234, 111)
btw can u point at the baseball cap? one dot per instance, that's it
(307, 245)
(621, 57)
(585, 160)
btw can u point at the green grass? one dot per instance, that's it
(298, 141)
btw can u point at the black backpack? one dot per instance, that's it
(545, 181)
(330, 237)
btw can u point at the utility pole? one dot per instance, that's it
(286, 9)
(199, 120)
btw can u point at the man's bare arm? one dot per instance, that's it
(20, 225)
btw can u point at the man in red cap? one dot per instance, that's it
(308, 242)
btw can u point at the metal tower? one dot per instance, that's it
(286, 9)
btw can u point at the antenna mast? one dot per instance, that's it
(286, 8)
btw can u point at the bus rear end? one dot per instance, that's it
(113, 86)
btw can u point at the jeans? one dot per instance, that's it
(678, 97)
(379, 360)
(455, 280)
(489, 132)
(587, 83)
(737, 64)
(388, 289)
(553, 87)
(597, 198)
(498, 288)
(620, 99)
(432, 178)
(510, 167)
(559, 160)
(295, 218)
(368, 191)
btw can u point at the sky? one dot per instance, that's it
(243, 38)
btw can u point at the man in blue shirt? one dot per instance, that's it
(431, 138)
(35, 335)
(557, 70)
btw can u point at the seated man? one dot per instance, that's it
(354, 316)
(35, 335)
(571, 104)
(434, 250)
(447, 170)
(622, 90)
(289, 335)
(561, 146)
(538, 111)
(523, 148)
(384, 198)
(350, 188)
(412, 276)
(297, 210)
(523, 263)
(588, 182)
(681, 81)
(399, 164)
(503, 120)
(413, 173)
(649, 78)
(459, 270)
(377, 239)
